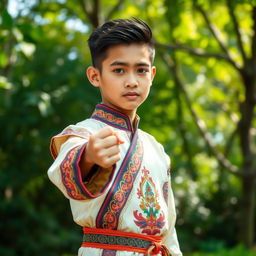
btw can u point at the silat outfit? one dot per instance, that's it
(124, 210)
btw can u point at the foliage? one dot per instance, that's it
(43, 89)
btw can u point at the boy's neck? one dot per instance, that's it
(132, 118)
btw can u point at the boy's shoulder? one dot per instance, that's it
(151, 142)
(81, 129)
(88, 123)
(147, 136)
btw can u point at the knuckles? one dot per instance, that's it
(108, 129)
(107, 162)
(104, 151)
(95, 147)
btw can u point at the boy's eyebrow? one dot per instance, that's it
(120, 63)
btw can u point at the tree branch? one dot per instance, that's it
(216, 33)
(96, 17)
(198, 52)
(182, 130)
(237, 31)
(114, 9)
(214, 30)
(85, 9)
(93, 15)
(223, 161)
(235, 120)
(230, 142)
(229, 145)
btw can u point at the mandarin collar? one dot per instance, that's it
(114, 118)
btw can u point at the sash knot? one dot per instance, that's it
(158, 247)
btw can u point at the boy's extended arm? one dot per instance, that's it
(77, 151)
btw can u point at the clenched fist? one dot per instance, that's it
(102, 149)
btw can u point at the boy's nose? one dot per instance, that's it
(131, 81)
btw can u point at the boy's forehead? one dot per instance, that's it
(128, 53)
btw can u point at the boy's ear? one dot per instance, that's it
(153, 73)
(93, 75)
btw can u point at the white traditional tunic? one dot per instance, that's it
(134, 195)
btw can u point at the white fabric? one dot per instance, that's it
(155, 162)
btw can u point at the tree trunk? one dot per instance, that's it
(248, 176)
(248, 211)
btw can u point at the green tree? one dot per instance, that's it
(230, 40)
(201, 107)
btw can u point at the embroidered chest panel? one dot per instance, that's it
(149, 217)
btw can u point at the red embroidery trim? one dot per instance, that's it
(110, 218)
(68, 173)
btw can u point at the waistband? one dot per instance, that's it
(124, 241)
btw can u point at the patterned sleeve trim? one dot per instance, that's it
(72, 178)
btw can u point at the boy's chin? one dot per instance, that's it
(128, 109)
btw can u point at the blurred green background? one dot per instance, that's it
(201, 108)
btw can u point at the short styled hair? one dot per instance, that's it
(119, 32)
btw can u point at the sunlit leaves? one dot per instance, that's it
(43, 88)
(3, 59)
(4, 83)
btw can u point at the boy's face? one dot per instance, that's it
(125, 78)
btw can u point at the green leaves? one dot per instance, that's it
(43, 88)
(4, 84)
(6, 20)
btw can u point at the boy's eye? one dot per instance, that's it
(118, 71)
(143, 70)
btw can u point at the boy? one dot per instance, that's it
(116, 176)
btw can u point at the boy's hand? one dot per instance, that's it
(103, 148)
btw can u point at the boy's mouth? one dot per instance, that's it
(131, 95)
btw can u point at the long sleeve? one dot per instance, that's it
(67, 149)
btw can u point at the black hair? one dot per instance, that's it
(117, 32)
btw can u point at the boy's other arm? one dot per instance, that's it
(102, 149)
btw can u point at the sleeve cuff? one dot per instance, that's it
(96, 182)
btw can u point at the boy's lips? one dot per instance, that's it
(131, 95)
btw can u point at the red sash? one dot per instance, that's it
(124, 241)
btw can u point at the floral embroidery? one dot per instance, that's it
(117, 196)
(154, 219)
(111, 117)
(165, 191)
(69, 174)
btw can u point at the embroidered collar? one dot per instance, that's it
(113, 117)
